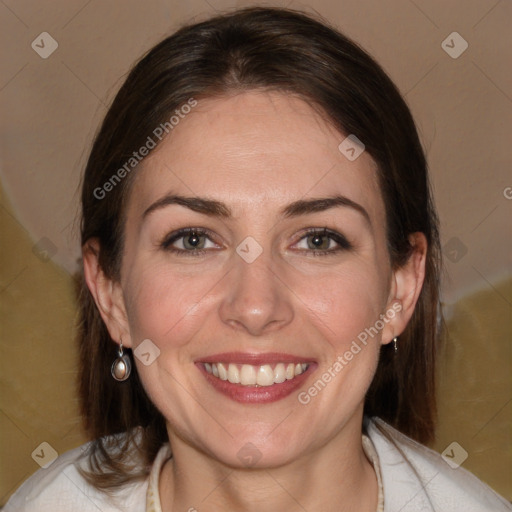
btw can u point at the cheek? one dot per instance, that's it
(343, 303)
(165, 306)
(342, 306)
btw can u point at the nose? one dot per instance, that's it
(256, 300)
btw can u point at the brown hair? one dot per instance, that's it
(267, 49)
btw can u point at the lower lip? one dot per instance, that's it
(253, 394)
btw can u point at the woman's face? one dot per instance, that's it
(283, 265)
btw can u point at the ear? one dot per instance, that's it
(406, 284)
(107, 294)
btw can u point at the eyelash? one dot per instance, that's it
(343, 243)
(181, 233)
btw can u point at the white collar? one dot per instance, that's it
(153, 503)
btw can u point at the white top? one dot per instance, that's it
(153, 498)
(412, 478)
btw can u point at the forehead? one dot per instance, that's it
(255, 148)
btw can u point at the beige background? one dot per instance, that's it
(51, 109)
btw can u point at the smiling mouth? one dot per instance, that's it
(255, 375)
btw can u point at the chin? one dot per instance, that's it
(256, 452)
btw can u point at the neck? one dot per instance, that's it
(335, 477)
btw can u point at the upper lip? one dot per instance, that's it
(253, 358)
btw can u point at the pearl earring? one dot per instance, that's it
(395, 346)
(122, 366)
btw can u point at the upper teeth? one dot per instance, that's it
(249, 375)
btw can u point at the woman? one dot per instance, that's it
(259, 304)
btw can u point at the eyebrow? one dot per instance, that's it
(214, 208)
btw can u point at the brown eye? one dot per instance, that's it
(317, 241)
(323, 241)
(189, 240)
(194, 241)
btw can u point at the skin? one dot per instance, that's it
(257, 152)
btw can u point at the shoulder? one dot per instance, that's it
(417, 478)
(61, 488)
